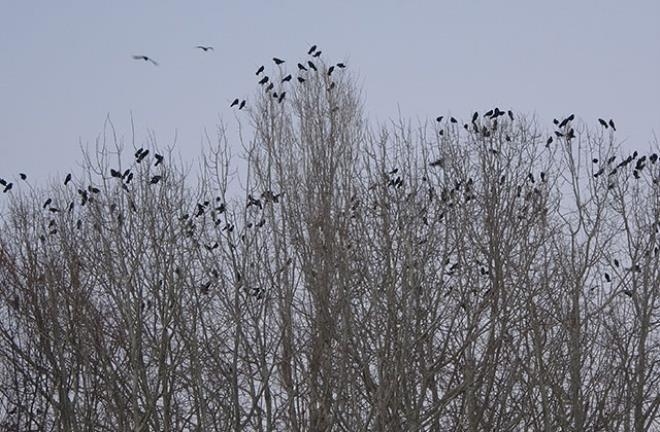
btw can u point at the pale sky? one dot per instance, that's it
(66, 65)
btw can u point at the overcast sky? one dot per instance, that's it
(66, 65)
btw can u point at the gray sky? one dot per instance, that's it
(66, 65)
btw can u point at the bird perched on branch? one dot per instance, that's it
(278, 61)
(145, 58)
(261, 69)
(311, 50)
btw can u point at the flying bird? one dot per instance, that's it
(204, 48)
(234, 103)
(261, 69)
(311, 50)
(145, 58)
(278, 61)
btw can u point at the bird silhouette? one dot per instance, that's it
(330, 70)
(475, 116)
(205, 48)
(453, 120)
(263, 80)
(115, 173)
(311, 49)
(311, 65)
(8, 187)
(287, 78)
(47, 202)
(159, 159)
(278, 61)
(261, 69)
(510, 113)
(23, 176)
(317, 54)
(607, 277)
(67, 179)
(155, 179)
(435, 163)
(301, 79)
(301, 67)
(611, 123)
(269, 87)
(341, 65)
(281, 98)
(548, 142)
(602, 122)
(234, 103)
(242, 105)
(145, 58)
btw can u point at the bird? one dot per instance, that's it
(436, 163)
(311, 50)
(301, 79)
(287, 78)
(475, 116)
(114, 173)
(67, 179)
(23, 176)
(204, 48)
(607, 277)
(8, 187)
(488, 113)
(548, 142)
(261, 69)
(611, 123)
(278, 61)
(510, 113)
(263, 80)
(602, 122)
(301, 67)
(159, 159)
(242, 105)
(47, 202)
(439, 119)
(281, 98)
(145, 58)
(453, 120)
(311, 65)
(317, 54)
(155, 179)
(330, 70)
(270, 87)
(341, 65)
(234, 103)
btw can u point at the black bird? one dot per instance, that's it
(261, 69)
(301, 67)
(234, 103)
(571, 117)
(67, 179)
(453, 120)
(436, 163)
(242, 105)
(594, 160)
(653, 158)
(510, 113)
(93, 189)
(278, 61)
(317, 53)
(439, 119)
(159, 159)
(548, 142)
(47, 203)
(270, 87)
(155, 179)
(8, 187)
(281, 98)
(115, 173)
(475, 116)
(602, 122)
(636, 174)
(607, 277)
(555, 121)
(3, 182)
(616, 262)
(488, 113)
(145, 58)
(611, 123)
(311, 50)
(564, 122)
(287, 78)
(204, 48)
(311, 65)
(341, 65)
(263, 80)
(301, 79)
(330, 70)
(610, 160)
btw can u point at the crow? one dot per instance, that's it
(301, 67)
(311, 50)
(270, 87)
(115, 173)
(234, 103)
(611, 123)
(475, 116)
(281, 98)
(278, 61)
(263, 80)
(510, 113)
(159, 159)
(67, 179)
(145, 58)
(439, 119)
(204, 48)
(301, 79)
(488, 113)
(155, 179)
(453, 120)
(330, 69)
(341, 65)
(317, 53)
(607, 277)
(242, 105)
(548, 142)
(602, 122)
(8, 187)
(311, 65)
(436, 163)
(261, 69)
(47, 203)
(287, 78)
